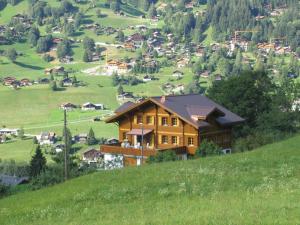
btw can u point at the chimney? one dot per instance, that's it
(163, 99)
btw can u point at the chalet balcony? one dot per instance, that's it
(133, 151)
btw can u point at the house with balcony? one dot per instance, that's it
(178, 123)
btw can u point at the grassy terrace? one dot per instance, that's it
(259, 187)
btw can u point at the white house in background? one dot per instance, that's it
(68, 106)
(59, 148)
(179, 88)
(91, 106)
(7, 131)
(147, 78)
(92, 156)
(46, 138)
(177, 74)
(112, 141)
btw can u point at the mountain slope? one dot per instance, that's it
(259, 187)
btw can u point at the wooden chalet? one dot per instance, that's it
(179, 123)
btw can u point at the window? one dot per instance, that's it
(149, 120)
(164, 139)
(174, 122)
(139, 119)
(164, 121)
(124, 136)
(174, 140)
(190, 141)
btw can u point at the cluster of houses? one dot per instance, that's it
(18, 18)
(278, 49)
(13, 82)
(173, 88)
(117, 66)
(57, 70)
(88, 106)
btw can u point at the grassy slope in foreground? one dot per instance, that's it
(259, 187)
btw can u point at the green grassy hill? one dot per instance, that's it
(259, 187)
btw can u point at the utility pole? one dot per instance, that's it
(66, 147)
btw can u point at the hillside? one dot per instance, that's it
(259, 187)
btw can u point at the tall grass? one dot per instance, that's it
(258, 187)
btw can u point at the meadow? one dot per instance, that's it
(258, 187)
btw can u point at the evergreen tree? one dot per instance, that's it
(53, 85)
(67, 137)
(91, 140)
(115, 79)
(11, 54)
(120, 90)
(152, 11)
(37, 163)
(86, 57)
(21, 133)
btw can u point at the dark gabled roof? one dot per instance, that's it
(12, 180)
(187, 106)
(125, 106)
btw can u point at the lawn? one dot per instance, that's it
(258, 187)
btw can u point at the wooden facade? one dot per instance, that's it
(152, 126)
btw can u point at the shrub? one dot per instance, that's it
(52, 175)
(162, 156)
(4, 190)
(256, 140)
(208, 148)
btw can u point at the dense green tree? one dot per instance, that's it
(53, 85)
(248, 95)
(91, 140)
(115, 79)
(64, 48)
(11, 54)
(152, 11)
(37, 163)
(88, 44)
(33, 36)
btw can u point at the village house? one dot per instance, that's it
(176, 123)
(147, 78)
(205, 74)
(116, 66)
(8, 131)
(12, 180)
(8, 81)
(125, 96)
(46, 138)
(137, 39)
(81, 138)
(25, 82)
(182, 62)
(129, 46)
(67, 82)
(68, 106)
(59, 148)
(178, 89)
(59, 70)
(91, 106)
(177, 74)
(92, 156)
